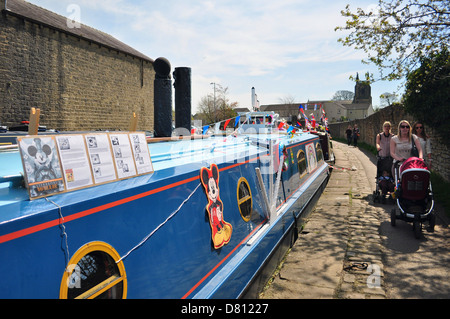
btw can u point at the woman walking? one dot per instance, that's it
(402, 144)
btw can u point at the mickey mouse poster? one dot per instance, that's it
(220, 229)
(41, 165)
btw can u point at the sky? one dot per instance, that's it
(283, 48)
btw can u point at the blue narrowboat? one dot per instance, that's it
(212, 220)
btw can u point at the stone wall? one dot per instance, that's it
(373, 125)
(77, 84)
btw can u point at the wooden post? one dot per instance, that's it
(133, 123)
(33, 127)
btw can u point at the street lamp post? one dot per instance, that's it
(215, 111)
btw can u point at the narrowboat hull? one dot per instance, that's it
(153, 236)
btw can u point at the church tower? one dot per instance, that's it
(362, 92)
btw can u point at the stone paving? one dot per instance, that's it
(339, 252)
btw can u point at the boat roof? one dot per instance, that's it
(169, 159)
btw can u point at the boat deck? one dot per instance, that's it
(169, 158)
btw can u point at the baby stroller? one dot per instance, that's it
(414, 195)
(384, 181)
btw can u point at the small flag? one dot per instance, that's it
(313, 121)
(226, 123)
(307, 124)
(205, 128)
(237, 120)
(301, 109)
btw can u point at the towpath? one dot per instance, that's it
(348, 249)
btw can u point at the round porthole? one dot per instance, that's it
(93, 273)
(244, 198)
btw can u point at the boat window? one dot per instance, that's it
(319, 152)
(301, 162)
(244, 198)
(93, 273)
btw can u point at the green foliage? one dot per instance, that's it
(427, 95)
(216, 107)
(396, 34)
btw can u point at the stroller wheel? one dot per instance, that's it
(431, 223)
(417, 228)
(375, 196)
(393, 217)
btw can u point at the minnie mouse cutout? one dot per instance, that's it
(220, 230)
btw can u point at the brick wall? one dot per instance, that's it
(373, 125)
(77, 84)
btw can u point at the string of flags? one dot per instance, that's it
(310, 123)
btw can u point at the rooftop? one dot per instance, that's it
(41, 16)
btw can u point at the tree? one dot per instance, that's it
(343, 95)
(288, 99)
(216, 107)
(398, 33)
(427, 95)
(387, 98)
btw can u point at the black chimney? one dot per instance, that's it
(182, 86)
(162, 98)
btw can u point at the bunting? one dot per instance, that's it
(301, 109)
(237, 120)
(313, 120)
(226, 123)
(280, 126)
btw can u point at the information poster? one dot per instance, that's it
(42, 168)
(311, 156)
(141, 153)
(74, 160)
(59, 163)
(123, 156)
(102, 162)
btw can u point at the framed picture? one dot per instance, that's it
(42, 166)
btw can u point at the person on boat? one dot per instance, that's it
(425, 141)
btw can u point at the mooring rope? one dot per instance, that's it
(63, 228)
(159, 226)
(343, 168)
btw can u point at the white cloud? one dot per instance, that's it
(285, 47)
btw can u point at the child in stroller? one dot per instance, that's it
(384, 181)
(414, 195)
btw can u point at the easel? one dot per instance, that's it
(133, 122)
(33, 127)
(35, 113)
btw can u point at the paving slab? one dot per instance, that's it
(338, 253)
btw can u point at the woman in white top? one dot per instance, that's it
(401, 143)
(419, 131)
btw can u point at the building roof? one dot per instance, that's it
(33, 13)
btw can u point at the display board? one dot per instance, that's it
(59, 163)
